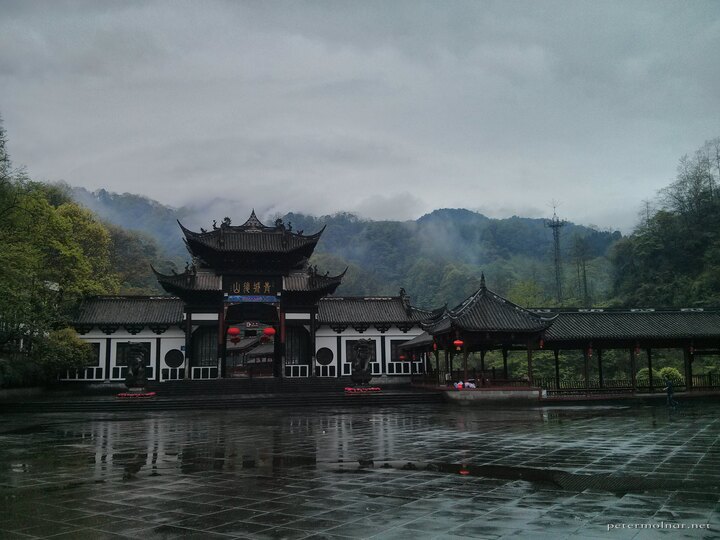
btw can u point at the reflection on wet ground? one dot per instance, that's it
(406, 472)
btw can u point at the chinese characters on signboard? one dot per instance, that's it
(251, 287)
(242, 288)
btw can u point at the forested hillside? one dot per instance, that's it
(673, 256)
(437, 258)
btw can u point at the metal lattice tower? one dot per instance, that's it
(556, 224)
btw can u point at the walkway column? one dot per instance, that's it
(437, 366)
(633, 378)
(222, 340)
(505, 368)
(530, 364)
(586, 367)
(688, 358)
(557, 369)
(650, 377)
(188, 345)
(600, 372)
(447, 363)
(465, 357)
(482, 361)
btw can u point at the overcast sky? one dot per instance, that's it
(389, 109)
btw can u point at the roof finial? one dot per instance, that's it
(482, 280)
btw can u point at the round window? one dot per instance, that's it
(324, 356)
(174, 358)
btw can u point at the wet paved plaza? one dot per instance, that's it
(408, 472)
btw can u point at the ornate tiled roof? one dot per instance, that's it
(422, 341)
(250, 237)
(190, 280)
(310, 281)
(579, 325)
(120, 310)
(370, 310)
(485, 311)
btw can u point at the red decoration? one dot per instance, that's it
(589, 351)
(233, 331)
(131, 395)
(402, 357)
(464, 471)
(458, 344)
(542, 343)
(269, 331)
(434, 346)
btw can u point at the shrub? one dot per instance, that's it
(643, 374)
(671, 373)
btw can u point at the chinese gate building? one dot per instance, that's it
(249, 304)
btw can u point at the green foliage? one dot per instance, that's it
(61, 351)
(643, 374)
(54, 254)
(671, 373)
(673, 257)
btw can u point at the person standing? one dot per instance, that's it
(669, 389)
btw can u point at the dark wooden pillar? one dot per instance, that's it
(279, 352)
(650, 377)
(688, 358)
(465, 357)
(530, 364)
(447, 364)
(313, 347)
(600, 370)
(633, 371)
(437, 366)
(505, 366)
(557, 368)
(482, 362)
(586, 367)
(222, 341)
(188, 345)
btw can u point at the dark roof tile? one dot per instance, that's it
(130, 310)
(369, 310)
(630, 325)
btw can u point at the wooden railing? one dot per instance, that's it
(709, 381)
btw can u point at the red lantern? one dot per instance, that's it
(458, 344)
(233, 331)
(402, 357)
(269, 331)
(434, 346)
(589, 352)
(464, 471)
(542, 343)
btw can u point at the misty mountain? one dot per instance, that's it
(437, 258)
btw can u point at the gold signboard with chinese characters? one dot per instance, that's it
(251, 285)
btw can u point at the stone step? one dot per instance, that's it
(211, 402)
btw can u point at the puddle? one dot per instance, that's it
(555, 478)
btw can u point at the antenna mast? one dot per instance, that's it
(556, 224)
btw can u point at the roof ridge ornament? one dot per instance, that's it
(482, 280)
(253, 222)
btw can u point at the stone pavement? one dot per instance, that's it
(431, 471)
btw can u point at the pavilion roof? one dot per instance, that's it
(190, 280)
(370, 310)
(485, 311)
(422, 341)
(310, 281)
(607, 324)
(250, 237)
(130, 310)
